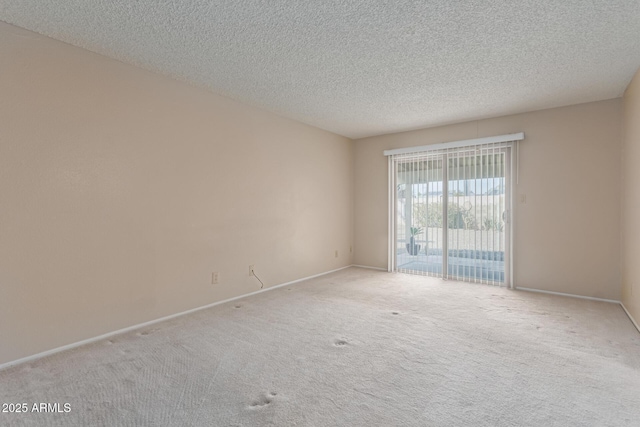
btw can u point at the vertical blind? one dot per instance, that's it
(450, 211)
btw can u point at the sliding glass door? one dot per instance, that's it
(452, 213)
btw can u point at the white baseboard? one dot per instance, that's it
(630, 317)
(370, 268)
(567, 295)
(152, 322)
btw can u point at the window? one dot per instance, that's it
(450, 210)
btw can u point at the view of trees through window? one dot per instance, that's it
(464, 211)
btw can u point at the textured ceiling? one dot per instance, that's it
(361, 68)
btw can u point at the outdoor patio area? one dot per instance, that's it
(462, 264)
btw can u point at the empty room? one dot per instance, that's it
(343, 213)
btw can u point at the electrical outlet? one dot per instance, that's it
(350, 249)
(214, 278)
(523, 198)
(336, 253)
(251, 273)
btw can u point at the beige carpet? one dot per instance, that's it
(354, 348)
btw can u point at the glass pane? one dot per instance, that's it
(476, 208)
(419, 216)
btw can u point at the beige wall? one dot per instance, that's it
(121, 192)
(631, 199)
(568, 231)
